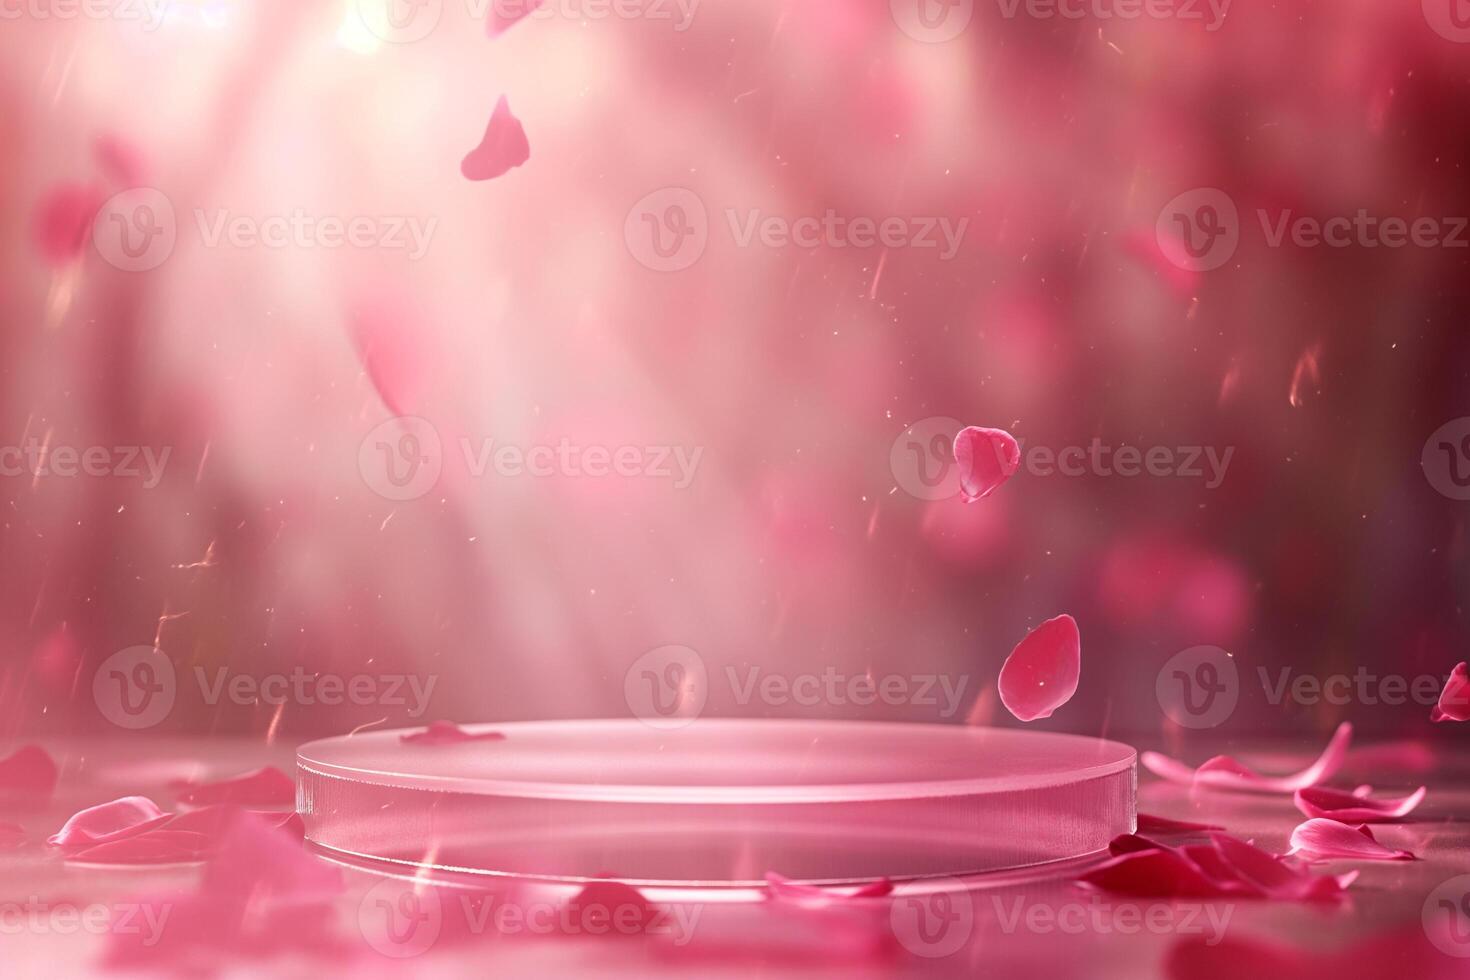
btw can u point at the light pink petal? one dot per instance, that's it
(29, 771)
(107, 822)
(63, 221)
(1041, 673)
(149, 848)
(784, 889)
(1150, 824)
(267, 786)
(1321, 840)
(503, 147)
(448, 733)
(1225, 772)
(506, 13)
(986, 458)
(1454, 700)
(1334, 804)
(1155, 874)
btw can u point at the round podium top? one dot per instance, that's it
(711, 761)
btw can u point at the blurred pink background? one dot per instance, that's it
(533, 316)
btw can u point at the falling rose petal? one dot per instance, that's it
(266, 786)
(1041, 673)
(1322, 840)
(107, 822)
(29, 771)
(503, 147)
(986, 458)
(448, 733)
(63, 221)
(780, 888)
(1356, 807)
(1150, 824)
(504, 14)
(1225, 772)
(1454, 700)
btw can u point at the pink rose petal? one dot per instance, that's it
(1320, 840)
(448, 733)
(1454, 700)
(1356, 807)
(503, 147)
(1150, 824)
(618, 898)
(506, 13)
(986, 458)
(786, 890)
(1155, 874)
(262, 896)
(1226, 867)
(1041, 673)
(63, 221)
(108, 822)
(143, 849)
(29, 771)
(1224, 772)
(266, 786)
